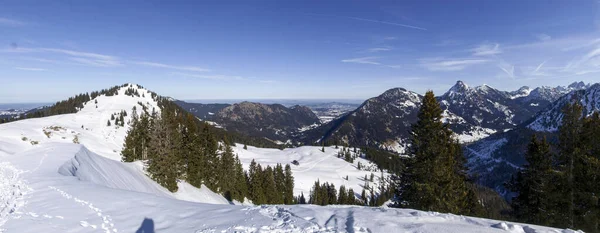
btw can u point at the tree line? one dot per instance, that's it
(560, 185)
(176, 146)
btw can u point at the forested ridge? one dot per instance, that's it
(176, 146)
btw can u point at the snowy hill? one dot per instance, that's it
(313, 165)
(40, 199)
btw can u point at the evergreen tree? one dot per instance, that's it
(532, 184)
(363, 197)
(302, 200)
(108, 123)
(255, 185)
(269, 187)
(342, 196)
(241, 187)
(288, 190)
(161, 156)
(226, 172)
(351, 197)
(434, 180)
(129, 147)
(570, 151)
(279, 177)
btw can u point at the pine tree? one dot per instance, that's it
(279, 177)
(363, 197)
(302, 200)
(108, 123)
(434, 179)
(532, 184)
(288, 191)
(161, 156)
(579, 167)
(570, 151)
(129, 147)
(241, 187)
(351, 198)
(255, 185)
(226, 172)
(342, 196)
(245, 147)
(269, 187)
(121, 121)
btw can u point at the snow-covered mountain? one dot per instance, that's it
(383, 121)
(482, 109)
(546, 93)
(473, 113)
(496, 158)
(551, 118)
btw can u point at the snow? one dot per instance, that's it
(50, 183)
(313, 165)
(46, 201)
(309, 127)
(476, 133)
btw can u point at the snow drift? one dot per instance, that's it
(87, 166)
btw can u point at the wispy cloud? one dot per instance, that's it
(11, 22)
(78, 57)
(539, 66)
(543, 37)
(486, 50)
(363, 60)
(379, 49)
(174, 67)
(95, 62)
(439, 64)
(374, 21)
(509, 70)
(80, 54)
(386, 22)
(30, 69)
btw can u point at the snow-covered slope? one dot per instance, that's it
(89, 127)
(313, 165)
(42, 200)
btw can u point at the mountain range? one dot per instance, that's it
(61, 164)
(493, 125)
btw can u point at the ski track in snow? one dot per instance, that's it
(106, 221)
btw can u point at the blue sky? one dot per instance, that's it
(292, 49)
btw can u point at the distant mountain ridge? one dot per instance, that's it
(473, 113)
(496, 158)
(272, 121)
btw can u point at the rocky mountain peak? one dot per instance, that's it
(459, 87)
